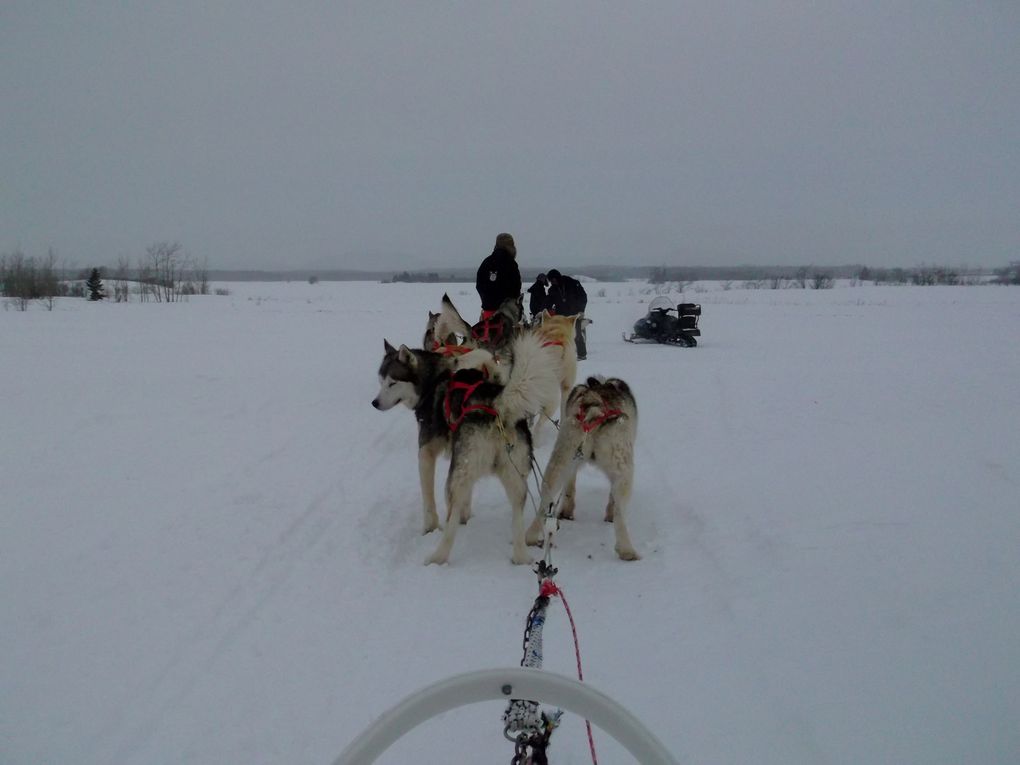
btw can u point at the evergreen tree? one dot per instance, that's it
(95, 285)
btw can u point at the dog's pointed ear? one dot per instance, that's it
(389, 349)
(404, 356)
(433, 316)
(447, 301)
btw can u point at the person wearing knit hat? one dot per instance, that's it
(498, 276)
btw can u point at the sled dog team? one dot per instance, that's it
(480, 392)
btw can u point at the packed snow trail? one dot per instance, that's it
(213, 552)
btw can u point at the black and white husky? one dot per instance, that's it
(599, 426)
(480, 423)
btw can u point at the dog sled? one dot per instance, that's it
(526, 725)
(501, 684)
(667, 324)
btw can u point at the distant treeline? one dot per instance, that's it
(166, 273)
(801, 275)
(796, 275)
(431, 276)
(657, 274)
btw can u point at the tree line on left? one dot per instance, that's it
(165, 274)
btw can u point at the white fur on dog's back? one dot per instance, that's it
(534, 379)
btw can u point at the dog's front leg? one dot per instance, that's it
(427, 455)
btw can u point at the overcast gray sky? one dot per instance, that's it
(384, 134)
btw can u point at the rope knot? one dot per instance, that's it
(547, 588)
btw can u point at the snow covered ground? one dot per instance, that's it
(210, 547)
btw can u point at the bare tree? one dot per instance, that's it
(169, 265)
(19, 279)
(121, 287)
(202, 277)
(23, 279)
(49, 284)
(822, 281)
(145, 281)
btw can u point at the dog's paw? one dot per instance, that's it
(521, 559)
(439, 558)
(567, 506)
(628, 553)
(534, 540)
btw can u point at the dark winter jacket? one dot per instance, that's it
(538, 299)
(567, 297)
(498, 278)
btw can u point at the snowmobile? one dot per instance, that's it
(668, 324)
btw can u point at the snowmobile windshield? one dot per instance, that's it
(661, 303)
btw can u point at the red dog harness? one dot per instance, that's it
(450, 350)
(468, 389)
(607, 414)
(488, 330)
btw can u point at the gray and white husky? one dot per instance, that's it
(599, 426)
(480, 423)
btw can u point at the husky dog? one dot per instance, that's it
(440, 339)
(599, 426)
(433, 339)
(481, 424)
(559, 331)
(410, 377)
(496, 334)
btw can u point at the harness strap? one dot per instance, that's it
(450, 350)
(489, 329)
(468, 389)
(547, 343)
(607, 414)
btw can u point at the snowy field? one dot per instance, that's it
(210, 542)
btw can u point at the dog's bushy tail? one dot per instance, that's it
(534, 379)
(450, 320)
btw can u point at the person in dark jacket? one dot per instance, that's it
(566, 295)
(498, 276)
(537, 301)
(567, 298)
